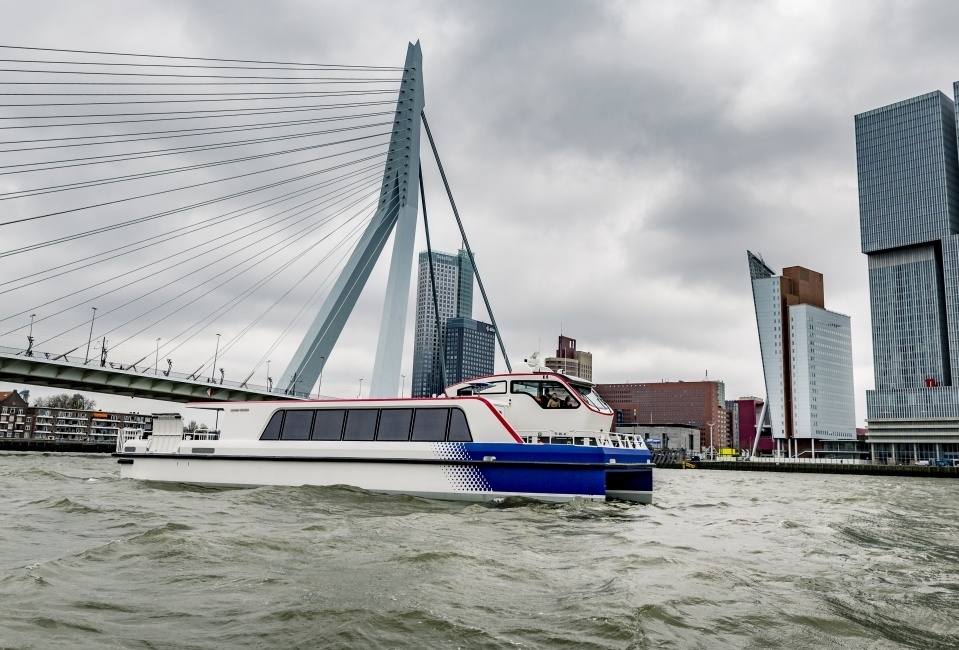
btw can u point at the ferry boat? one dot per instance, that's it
(541, 435)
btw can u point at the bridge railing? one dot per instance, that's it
(141, 370)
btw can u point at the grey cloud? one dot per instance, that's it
(613, 160)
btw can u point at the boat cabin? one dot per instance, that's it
(540, 405)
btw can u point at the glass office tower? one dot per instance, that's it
(454, 297)
(470, 349)
(908, 171)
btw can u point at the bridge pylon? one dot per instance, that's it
(397, 210)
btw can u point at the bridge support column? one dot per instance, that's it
(397, 207)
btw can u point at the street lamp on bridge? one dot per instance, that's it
(86, 359)
(215, 355)
(29, 352)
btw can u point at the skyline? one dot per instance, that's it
(682, 137)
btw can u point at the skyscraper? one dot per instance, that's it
(807, 360)
(454, 298)
(908, 169)
(470, 349)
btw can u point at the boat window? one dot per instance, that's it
(483, 388)
(298, 424)
(592, 398)
(547, 394)
(430, 425)
(272, 430)
(360, 424)
(394, 424)
(328, 424)
(459, 427)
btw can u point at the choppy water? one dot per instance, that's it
(721, 560)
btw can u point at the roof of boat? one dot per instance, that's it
(523, 375)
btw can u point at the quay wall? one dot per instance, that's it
(62, 446)
(829, 468)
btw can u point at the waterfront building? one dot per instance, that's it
(908, 173)
(697, 403)
(744, 414)
(454, 299)
(570, 361)
(470, 349)
(83, 426)
(807, 360)
(667, 436)
(13, 415)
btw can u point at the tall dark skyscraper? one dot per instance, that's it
(908, 172)
(467, 340)
(470, 349)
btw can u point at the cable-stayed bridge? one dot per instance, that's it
(162, 217)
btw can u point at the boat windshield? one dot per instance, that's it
(592, 398)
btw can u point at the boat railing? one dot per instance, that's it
(201, 434)
(586, 438)
(126, 435)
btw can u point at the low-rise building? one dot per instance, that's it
(13, 415)
(667, 436)
(697, 403)
(83, 426)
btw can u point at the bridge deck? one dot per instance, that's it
(141, 381)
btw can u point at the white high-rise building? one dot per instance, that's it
(821, 365)
(807, 361)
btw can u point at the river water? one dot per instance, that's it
(720, 560)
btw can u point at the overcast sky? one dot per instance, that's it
(613, 161)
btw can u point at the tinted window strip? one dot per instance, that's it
(455, 428)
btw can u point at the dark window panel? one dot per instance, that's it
(430, 425)
(298, 424)
(459, 428)
(395, 424)
(328, 424)
(360, 424)
(272, 430)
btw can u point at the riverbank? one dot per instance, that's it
(824, 468)
(61, 446)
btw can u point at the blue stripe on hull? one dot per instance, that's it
(568, 479)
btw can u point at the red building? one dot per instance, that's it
(700, 403)
(745, 414)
